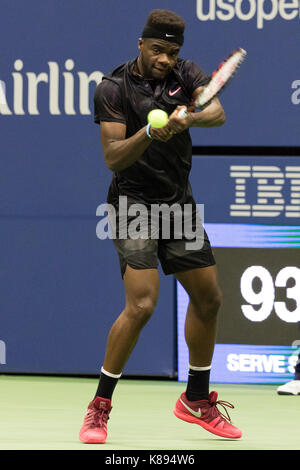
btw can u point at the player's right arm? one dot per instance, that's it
(120, 152)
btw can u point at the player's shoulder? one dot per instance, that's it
(118, 72)
(191, 74)
(111, 80)
(186, 66)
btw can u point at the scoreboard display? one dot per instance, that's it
(258, 264)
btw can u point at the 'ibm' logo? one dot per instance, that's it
(270, 181)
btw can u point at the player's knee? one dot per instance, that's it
(140, 311)
(212, 304)
(208, 305)
(216, 301)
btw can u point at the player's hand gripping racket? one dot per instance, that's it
(220, 78)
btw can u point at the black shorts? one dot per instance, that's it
(176, 253)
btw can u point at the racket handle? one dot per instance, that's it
(182, 114)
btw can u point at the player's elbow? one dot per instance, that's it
(113, 165)
(113, 156)
(110, 165)
(219, 118)
(110, 160)
(218, 114)
(222, 118)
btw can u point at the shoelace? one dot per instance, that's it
(214, 411)
(97, 418)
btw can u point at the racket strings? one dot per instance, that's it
(221, 76)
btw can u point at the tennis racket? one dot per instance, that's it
(220, 78)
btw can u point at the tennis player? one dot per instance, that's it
(151, 166)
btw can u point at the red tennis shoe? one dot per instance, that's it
(206, 414)
(94, 428)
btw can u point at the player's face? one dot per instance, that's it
(157, 57)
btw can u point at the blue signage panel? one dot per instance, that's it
(261, 307)
(251, 214)
(248, 190)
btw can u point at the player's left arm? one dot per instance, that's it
(212, 116)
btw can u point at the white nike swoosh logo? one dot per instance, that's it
(171, 93)
(170, 35)
(195, 413)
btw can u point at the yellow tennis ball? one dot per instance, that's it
(158, 118)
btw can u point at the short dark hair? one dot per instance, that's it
(160, 19)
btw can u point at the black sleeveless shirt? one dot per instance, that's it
(161, 174)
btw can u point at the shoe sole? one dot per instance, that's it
(288, 393)
(92, 441)
(207, 427)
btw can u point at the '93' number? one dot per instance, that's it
(265, 297)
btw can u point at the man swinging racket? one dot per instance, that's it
(151, 166)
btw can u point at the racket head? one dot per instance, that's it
(221, 77)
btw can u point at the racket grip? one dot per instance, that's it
(182, 114)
